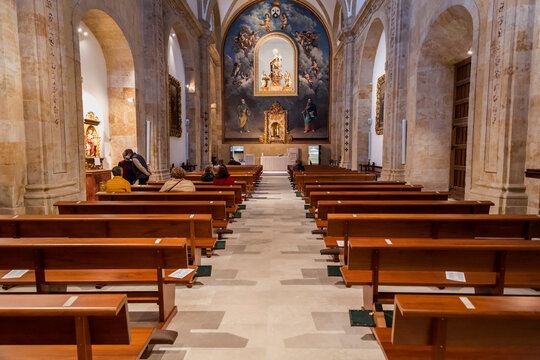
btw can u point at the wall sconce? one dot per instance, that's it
(130, 99)
(191, 88)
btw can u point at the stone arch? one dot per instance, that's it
(450, 34)
(121, 82)
(363, 88)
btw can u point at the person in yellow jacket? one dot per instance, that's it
(117, 183)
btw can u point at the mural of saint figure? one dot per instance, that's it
(310, 116)
(243, 116)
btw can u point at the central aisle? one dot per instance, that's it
(269, 296)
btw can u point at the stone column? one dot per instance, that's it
(499, 173)
(396, 91)
(53, 142)
(12, 134)
(348, 98)
(204, 91)
(156, 84)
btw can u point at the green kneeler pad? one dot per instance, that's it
(363, 318)
(242, 207)
(220, 245)
(298, 194)
(306, 206)
(237, 215)
(310, 216)
(204, 270)
(334, 270)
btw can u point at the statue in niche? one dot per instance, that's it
(264, 81)
(275, 131)
(288, 82)
(275, 72)
(92, 142)
(91, 145)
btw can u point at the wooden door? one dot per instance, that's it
(460, 119)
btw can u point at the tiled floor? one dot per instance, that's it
(269, 296)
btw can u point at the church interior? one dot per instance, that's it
(263, 179)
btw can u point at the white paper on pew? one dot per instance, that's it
(157, 241)
(16, 216)
(181, 273)
(339, 201)
(341, 243)
(211, 202)
(14, 274)
(70, 301)
(354, 215)
(468, 304)
(455, 276)
(191, 216)
(388, 241)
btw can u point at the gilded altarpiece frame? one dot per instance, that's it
(276, 126)
(175, 107)
(288, 79)
(379, 117)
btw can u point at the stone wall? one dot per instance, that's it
(425, 39)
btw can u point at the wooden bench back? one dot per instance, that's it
(361, 187)
(434, 225)
(248, 178)
(46, 320)
(300, 179)
(316, 196)
(326, 207)
(92, 253)
(227, 196)
(116, 226)
(500, 325)
(242, 184)
(237, 189)
(216, 208)
(440, 255)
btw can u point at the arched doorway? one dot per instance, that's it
(437, 136)
(108, 88)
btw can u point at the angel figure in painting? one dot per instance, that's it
(266, 23)
(310, 115)
(283, 21)
(243, 116)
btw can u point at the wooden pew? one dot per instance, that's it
(300, 179)
(345, 226)
(316, 196)
(58, 262)
(216, 208)
(96, 326)
(458, 327)
(326, 207)
(227, 196)
(488, 265)
(362, 187)
(242, 184)
(237, 189)
(197, 228)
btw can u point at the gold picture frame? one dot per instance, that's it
(379, 118)
(276, 123)
(293, 88)
(175, 107)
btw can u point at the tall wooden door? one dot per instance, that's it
(460, 118)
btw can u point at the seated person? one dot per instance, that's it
(233, 162)
(299, 166)
(117, 183)
(223, 178)
(208, 175)
(178, 182)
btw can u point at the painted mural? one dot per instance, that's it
(276, 51)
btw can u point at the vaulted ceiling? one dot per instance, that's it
(203, 9)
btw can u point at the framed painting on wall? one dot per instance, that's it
(379, 116)
(175, 107)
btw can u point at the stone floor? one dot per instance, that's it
(269, 296)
